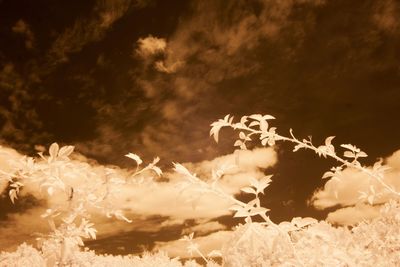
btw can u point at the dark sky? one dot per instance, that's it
(118, 76)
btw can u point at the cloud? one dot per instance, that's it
(141, 200)
(386, 16)
(190, 204)
(353, 215)
(150, 46)
(18, 116)
(221, 36)
(23, 28)
(345, 192)
(87, 30)
(218, 44)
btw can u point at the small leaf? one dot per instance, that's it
(254, 123)
(13, 195)
(263, 125)
(238, 143)
(215, 253)
(243, 120)
(328, 140)
(327, 174)
(349, 154)
(179, 168)
(65, 151)
(157, 170)
(134, 157)
(350, 147)
(362, 154)
(241, 213)
(53, 150)
(268, 117)
(256, 117)
(265, 141)
(235, 207)
(242, 135)
(248, 190)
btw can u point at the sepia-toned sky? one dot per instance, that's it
(149, 77)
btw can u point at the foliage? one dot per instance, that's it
(300, 242)
(74, 191)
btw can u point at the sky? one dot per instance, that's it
(149, 77)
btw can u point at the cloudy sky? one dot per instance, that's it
(149, 77)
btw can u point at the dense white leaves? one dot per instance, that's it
(83, 189)
(300, 242)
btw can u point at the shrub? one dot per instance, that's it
(300, 242)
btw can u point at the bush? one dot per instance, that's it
(301, 242)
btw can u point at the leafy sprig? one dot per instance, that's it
(258, 125)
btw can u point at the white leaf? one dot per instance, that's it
(134, 157)
(248, 190)
(268, 117)
(215, 253)
(254, 123)
(235, 207)
(328, 140)
(256, 117)
(53, 150)
(238, 143)
(13, 195)
(243, 120)
(362, 154)
(264, 141)
(65, 151)
(263, 125)
(181, 169)
(349, 154)
(157, 170)
(350, 147)
(254, 182)
(327, 175)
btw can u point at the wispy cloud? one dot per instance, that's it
(386, 16)
(23, 28)
(87, 29)
(216, 44)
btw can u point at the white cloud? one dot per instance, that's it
(354, 214)
(150, 46)
(142, 201)
(346, 191)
